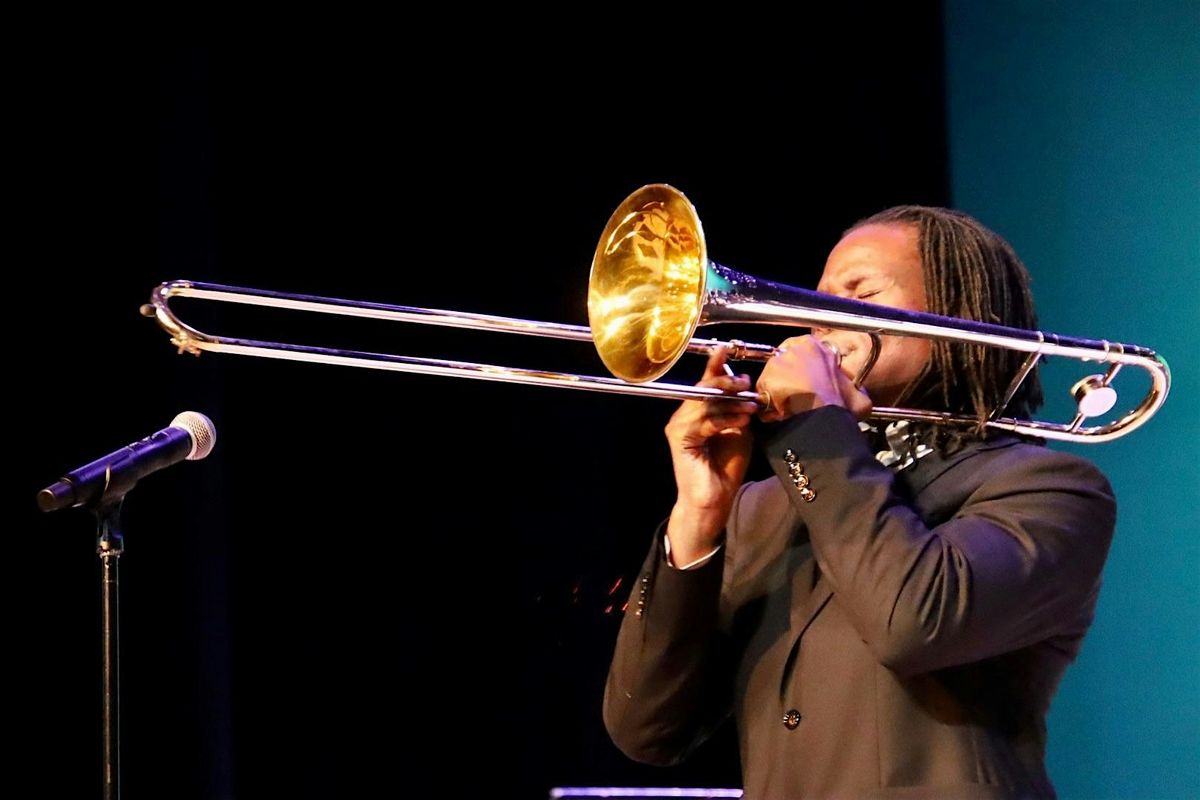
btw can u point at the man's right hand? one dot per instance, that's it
(710, 445)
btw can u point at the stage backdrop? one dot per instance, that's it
(1075, 132)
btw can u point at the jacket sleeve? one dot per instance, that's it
(668, 685)
(1018, 563)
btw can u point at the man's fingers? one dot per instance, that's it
(725, 383)
(716, 425)
(716, 363)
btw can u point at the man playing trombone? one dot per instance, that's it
(889, 615)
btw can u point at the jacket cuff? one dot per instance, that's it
(672, 593)
(815, 451)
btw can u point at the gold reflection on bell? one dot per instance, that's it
(646, 289)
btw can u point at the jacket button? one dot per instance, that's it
(791, 719)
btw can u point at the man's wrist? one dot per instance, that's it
(695, 532)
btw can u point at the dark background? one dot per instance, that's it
(376, 573)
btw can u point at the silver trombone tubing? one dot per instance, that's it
(726, 301)
(732, 296)
(190, 340)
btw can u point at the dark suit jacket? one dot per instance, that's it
(915, 624)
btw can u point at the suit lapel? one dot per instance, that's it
(810, 593)
(809, 590)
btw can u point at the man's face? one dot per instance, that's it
(878, 264)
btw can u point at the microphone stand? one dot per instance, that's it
(110, 544)
(101, 487)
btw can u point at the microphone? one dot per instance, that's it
(190, 436)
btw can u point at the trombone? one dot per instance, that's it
(651, 286)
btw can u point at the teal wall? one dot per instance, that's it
(1075, 133)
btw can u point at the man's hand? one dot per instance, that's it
(804, 375)
(710, 449)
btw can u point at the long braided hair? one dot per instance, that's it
(971, 273)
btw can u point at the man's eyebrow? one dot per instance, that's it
(852, 279)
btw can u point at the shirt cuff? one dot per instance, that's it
(699, 562)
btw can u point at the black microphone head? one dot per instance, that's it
(203, 432)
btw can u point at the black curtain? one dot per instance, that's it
(374, 574)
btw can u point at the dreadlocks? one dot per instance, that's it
(971, 273)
